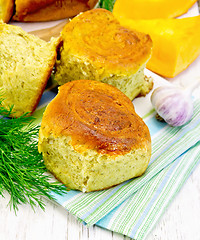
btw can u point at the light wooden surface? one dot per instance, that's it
(181, 220)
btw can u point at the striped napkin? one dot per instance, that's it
(133, 207)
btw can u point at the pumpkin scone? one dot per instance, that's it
(95, 46)
(26, 63)
(48, 10)
(91, 138)
(6, 10)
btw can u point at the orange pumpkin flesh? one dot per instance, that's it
(176, 42)
(152, 9)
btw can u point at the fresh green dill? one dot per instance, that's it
(22, 171)
(107, 4)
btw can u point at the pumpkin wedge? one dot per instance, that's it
(152, 9)
(176, 42)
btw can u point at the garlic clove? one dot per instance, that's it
(173, 104)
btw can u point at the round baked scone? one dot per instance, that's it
(48, 10)
(95, 46)
(91, 138)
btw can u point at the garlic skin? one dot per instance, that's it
(173, 104)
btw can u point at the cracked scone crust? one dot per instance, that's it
(91, 138)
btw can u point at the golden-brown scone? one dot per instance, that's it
(25, 66)
(97, 47)
(91, 138)
(47, 10)
(6, 10)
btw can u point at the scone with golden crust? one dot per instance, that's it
(26, 63)
(6, 10)
(91, 138)
(97, 47)
(47, 10)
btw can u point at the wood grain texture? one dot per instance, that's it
(179, 222)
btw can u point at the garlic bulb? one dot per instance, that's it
(173, 104)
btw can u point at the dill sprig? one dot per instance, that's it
(22, 171)
(107, 4)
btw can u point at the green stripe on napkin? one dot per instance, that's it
(167, 145)
(139, 213)
(133, 207)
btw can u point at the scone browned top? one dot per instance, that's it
(98, 36)
(96, 116)
(47, 10)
